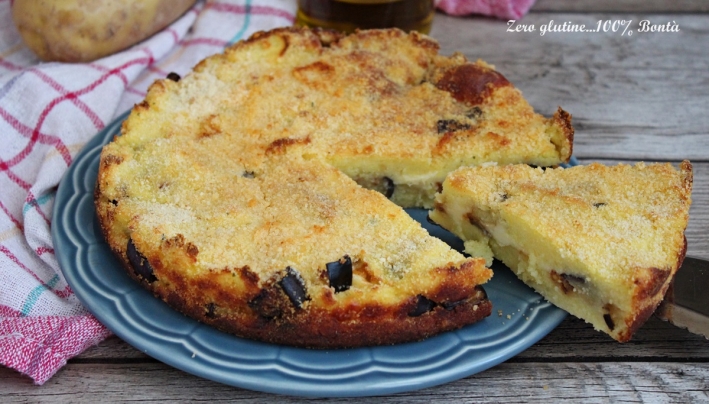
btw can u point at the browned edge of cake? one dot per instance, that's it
(651, 290)
(320, 329)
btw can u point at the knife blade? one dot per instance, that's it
(686, 302)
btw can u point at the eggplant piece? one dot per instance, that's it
(140, 264)
(389, 187)
(423, 305)
(383, 185)
(340, 273)
(211, 310)
(294, 287)
(450, 125)
(475, 113)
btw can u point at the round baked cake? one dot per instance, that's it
(263, 192)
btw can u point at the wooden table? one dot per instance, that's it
(643, 97)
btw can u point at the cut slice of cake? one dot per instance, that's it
(602, 243)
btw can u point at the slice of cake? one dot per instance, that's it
(602, 243)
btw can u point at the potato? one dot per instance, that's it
(85, 30)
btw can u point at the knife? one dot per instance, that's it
(686, 302)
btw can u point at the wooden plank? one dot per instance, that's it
(638, 97)
(113, 349)
(614, 6)
(656, 341)
(508, 382)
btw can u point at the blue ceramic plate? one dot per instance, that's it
(520, 318)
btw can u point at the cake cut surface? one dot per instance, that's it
(602, 243)
(236, 193)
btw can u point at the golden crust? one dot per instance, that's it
(603, 243)
(378, 104)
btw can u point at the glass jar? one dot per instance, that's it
(347, 15)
